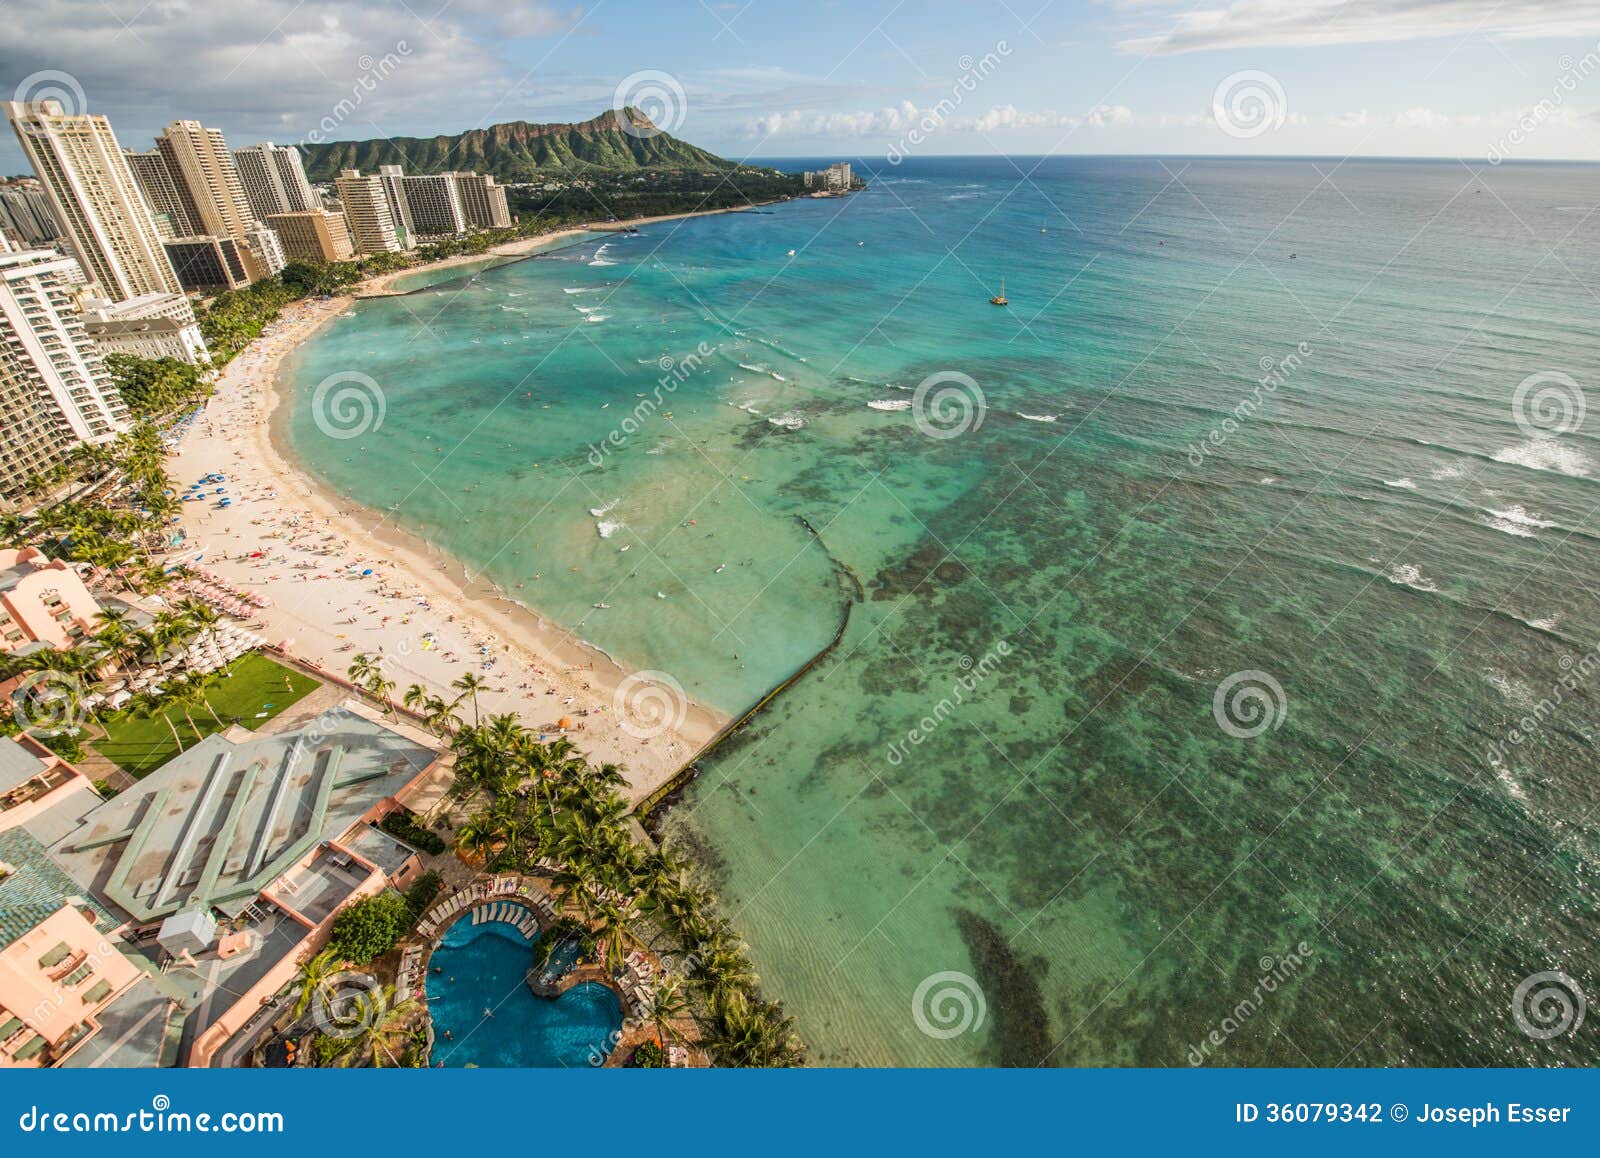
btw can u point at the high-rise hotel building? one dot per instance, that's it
(275, 179)
(394, 191)
(170, 204)
(366, 208)
(198, 158)
(94, 198)
(483, 202)
(54, 390)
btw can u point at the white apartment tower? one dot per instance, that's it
(275, 179)
(394, 189)
(367, 210)
(54, 390)
(94, 197)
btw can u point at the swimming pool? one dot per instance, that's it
(482, 967)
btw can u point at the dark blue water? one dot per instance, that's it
(483, 967)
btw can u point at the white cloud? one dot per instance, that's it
(1312, 23)
(276, 68)
(905, 116)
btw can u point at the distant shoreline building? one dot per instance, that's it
(836, 178)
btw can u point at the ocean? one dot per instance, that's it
(1215, 625)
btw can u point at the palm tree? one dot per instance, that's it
(755, 1033)
(314, 974)
(668, 1007)
(470, 685)
(149, 705)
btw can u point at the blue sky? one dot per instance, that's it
(1471, 78)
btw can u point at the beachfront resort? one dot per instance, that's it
(227, 836)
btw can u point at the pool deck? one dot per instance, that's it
(630, 984)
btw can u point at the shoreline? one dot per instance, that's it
(383, 284)
(439, 621)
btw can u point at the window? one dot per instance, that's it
(55, 956)
(101, 991)
(78, 976)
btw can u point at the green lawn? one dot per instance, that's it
(251, 692)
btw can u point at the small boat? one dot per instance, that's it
(624, 547)
(720, 569)
(601, 606)
(999, 299)
(789, 254)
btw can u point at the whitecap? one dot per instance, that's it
(1037, 417)
(596, 317)
(582, 290)
(789, 421)
(1547, 454)
(1515, 520)
(597, 512)
(609, 528)
(891, 404)
(1403, 484)
(1410, 575)
(1443, 473)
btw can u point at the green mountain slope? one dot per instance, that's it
(518, 151)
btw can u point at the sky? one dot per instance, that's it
(1486, 79)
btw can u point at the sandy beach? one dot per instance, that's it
(343, 580)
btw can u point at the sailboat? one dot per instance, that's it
(999, 299)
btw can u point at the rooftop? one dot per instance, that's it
(17, 765)
(223, 820)
(32, 887)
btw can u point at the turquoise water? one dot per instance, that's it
(482, 967)
(1284, 441)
